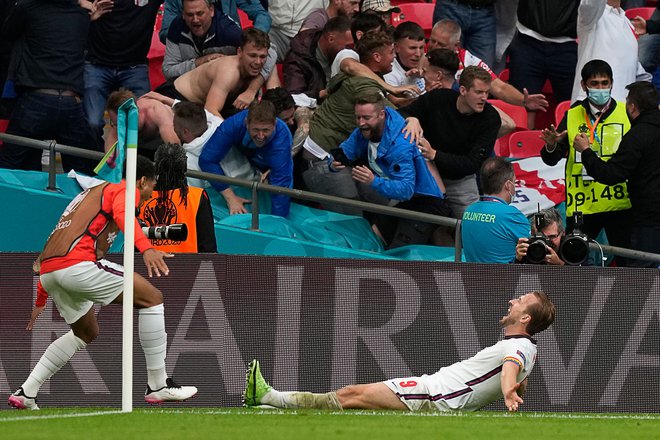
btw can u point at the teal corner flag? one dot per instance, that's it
(111, 166)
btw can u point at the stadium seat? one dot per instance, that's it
(561, 109)
(245, 20)
(155, 61)
(159, 18)
(504, 75)
(501, 148)
(517, 113)
(280, 72)
(645, 13)
(420, 13)
(524, 144)
(519, 116)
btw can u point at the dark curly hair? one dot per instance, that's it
(171, 166)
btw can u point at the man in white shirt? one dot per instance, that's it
(605, 33)
(409, 41)
(288, 17)
(500, 370)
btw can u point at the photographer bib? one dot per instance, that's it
(583, 193)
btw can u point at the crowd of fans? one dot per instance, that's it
(328, 96)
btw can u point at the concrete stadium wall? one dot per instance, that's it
(318, 324)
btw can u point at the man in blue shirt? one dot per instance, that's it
(491, 226)
(390, 170)
(266, 143)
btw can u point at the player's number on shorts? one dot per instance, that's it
(410, 383)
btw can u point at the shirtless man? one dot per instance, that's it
(218, 83)
(154, 118)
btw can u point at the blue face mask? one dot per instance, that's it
(599, 96)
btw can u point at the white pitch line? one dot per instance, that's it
(226, 411)
(622, 416)
(58, 416)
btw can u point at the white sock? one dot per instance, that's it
(55, 357)
(153, 339)
(298, 399)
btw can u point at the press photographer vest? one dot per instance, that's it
(83, 219)
(582, 192)
(157, 212)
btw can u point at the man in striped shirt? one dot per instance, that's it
(500, 370)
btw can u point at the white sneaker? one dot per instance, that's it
(19, 400)
(171, 392)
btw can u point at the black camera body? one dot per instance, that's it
(539, 243)
(538, 248)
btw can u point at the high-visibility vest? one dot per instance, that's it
(157, 212)
(582, 192)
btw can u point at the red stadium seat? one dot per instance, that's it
(155, 60)
(517, 113)
(280, 72)
(524, 144)
(245, 20)
(519, 116)
(420, 13)
(159, 18)
(504, 75)
(560, 111)
(645, 13)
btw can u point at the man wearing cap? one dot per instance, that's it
(383, 8)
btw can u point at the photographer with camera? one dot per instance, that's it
(547, 233)
(179, 217)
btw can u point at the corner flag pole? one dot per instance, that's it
(129, 262)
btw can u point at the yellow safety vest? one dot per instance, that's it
(582, 192)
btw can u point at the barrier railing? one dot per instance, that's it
(255, 187)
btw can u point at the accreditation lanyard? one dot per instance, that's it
(593, 124)
(493, 199)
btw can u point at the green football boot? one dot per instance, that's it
(256, 386)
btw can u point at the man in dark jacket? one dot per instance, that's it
(47, 70)
(199, 36)
(307, 66)
(638, 161)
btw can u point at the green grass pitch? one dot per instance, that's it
(237, 423)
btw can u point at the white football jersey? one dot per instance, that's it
(467, 385)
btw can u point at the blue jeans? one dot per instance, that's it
(533, 61)
(43, 117)
(477, 26)
(100, 81)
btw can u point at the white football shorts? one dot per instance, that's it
(77, 288)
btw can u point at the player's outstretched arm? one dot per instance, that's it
(510, 387)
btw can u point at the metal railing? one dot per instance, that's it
(255, 187)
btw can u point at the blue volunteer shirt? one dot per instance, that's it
(491, 229)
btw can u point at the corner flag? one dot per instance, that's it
(111, 166)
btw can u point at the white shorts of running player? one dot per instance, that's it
(77, 288)
(427, 393)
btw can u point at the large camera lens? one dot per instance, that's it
(574, 249)
(175, 232)
(537, 251)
